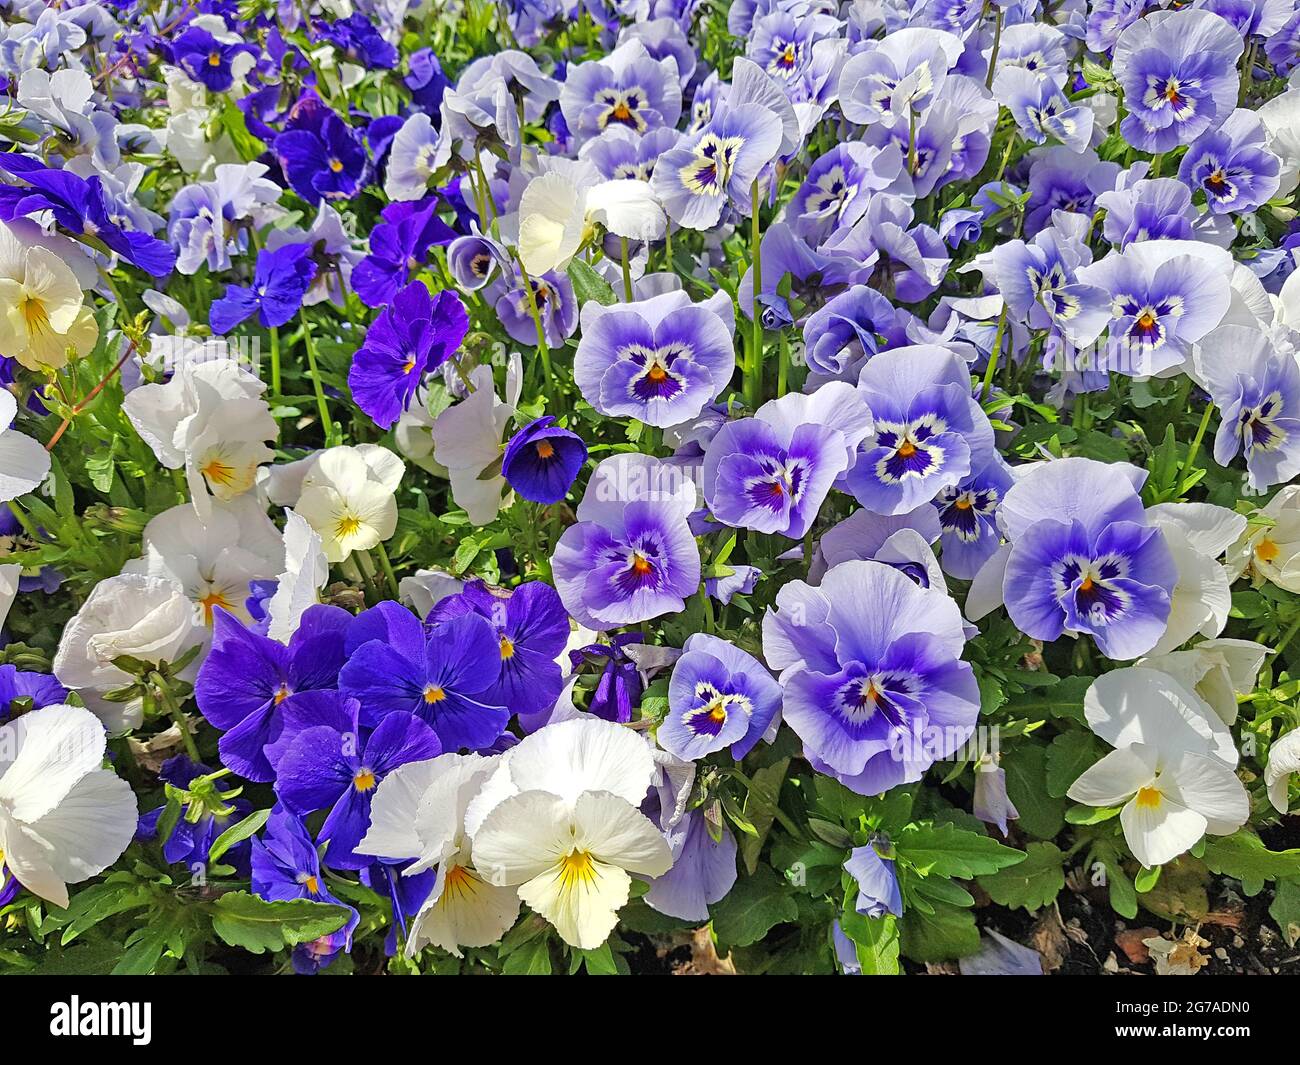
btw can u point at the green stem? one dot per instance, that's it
(1286, 637)
(327, 425)
(992, 367)
(627, 270)
(1196, 446)
(754, 375)
(174, 712)
(783, 365)
(781, 815)
(997, 43)
(275, 361)
(387, 567)
(543, 349)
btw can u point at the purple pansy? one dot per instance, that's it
(334, 764)
(207, 60)
(399, 246)
(929, 432)
(444, 676)
(1178, 70)
(719, 697)
(542, 460)
(412, 336)
(631, 556)
(968, 516)
(1083, 558)
(874, 685)
(840, 336)
(772, 472)
(1232, 165)
(325, 159)
(703, 872)
(660, 360)
(628, 87)
(1257, 390)
(280, 281)
(247, 677)
(878, 890)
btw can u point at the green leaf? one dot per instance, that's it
(1244, 857)
(589, 285)
(1285, 910)
(100, 901)
(244, 920)
(755, 905)
(945, 850)
(1067, 757)
(948, 932)
(876, 939)
(1031, 884)
(237, 833)
(1041, 815)
(532, 959)
(760, 809)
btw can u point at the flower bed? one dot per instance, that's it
(535, 487)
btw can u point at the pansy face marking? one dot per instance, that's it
(710, 169)
(829, 192)
(1151, 320)
(622, 107)
(1171, 92)
(960, 510)
(1092, 583)
(913, 451)
(781, 483)
(1258, 427)
(713, 708)
(867, 701)
(787, 57)
(658, 379)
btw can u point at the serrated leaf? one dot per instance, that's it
(945, 850)
(1244, 857)
(947, 933)
(755, 905)
(1067, 757)
(244, 920)
(1041, 815)
(589, 285)
(1031, 884)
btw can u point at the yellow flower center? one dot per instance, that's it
(459, 883)
(1266, 550)
(544, 449)
(906, 449)
(210, 602)
(434, 694)
(507, 647)
(282, 694)
(364, 780)
(578, 869)
(311, 884)
(348, 525)
(1149, 798)
(214, 59)
(219, 473)
(35, 315)
(336, 165)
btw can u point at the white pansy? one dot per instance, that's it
(1270, 549)
(23, 462)
(1197, 535)
(419, 813)
(9, 576)
(559, 818)
(212, 557)
(149, 618)
(1283, 760)
(1172, 767)
(1281, 117)
(42, 316)
(426, 588)
(63, 818)
(559, 211)
(467, 440)
(1216, 670)
(348, 498)
(297, 588)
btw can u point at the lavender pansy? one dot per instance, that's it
(1233, 165)
(719, 697)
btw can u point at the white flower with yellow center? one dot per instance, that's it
(63, 818)
(43, 320)
(419, 812)
(349, 505)
(559, 819)
(1270, 548)
(1172, 767)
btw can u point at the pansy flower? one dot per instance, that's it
(968, 516)
(631, 556)
(719, 696)
(323, 160)
(628, 87)
(661, 360)
(331, 763)
(929, 432)
(888, 80)
(717, 166)
(399, 246)
(1178, 70)
(873, 681)
(772, 472)
(412, 336)
(557, 306)
(209, 61)
(1233, 165)
(444, 677)
(850, 328)
(247, 677)
(1257, 390)
(531, 630)
(1083, 557)
(280, 282)
(542, 460)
